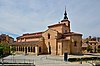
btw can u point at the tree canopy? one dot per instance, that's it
(4, 48)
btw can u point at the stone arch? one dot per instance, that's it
(25, 50)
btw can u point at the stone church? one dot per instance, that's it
(56, 40)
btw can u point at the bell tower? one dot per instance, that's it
(66, 21)
(65, 14)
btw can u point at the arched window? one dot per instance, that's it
(94, 43)
(48, 36)
(75, 43)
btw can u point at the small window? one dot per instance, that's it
(90, 43)
(75, 43)
(48, 36)
(65, 31)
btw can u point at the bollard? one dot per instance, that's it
(65, 56)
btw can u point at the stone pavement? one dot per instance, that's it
(45, 60)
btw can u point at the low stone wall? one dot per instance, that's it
(17, 65)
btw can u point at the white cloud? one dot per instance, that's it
(21, 16)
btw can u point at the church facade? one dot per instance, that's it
(56, 40)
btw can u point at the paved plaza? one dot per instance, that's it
(46, 60)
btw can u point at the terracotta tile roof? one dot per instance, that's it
(26, 43)
(30, 36)
(32, 42)
(37, 34)
(66, 36)
(72, 33)
(59, 24)
(33, 33)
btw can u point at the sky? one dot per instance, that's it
(18, 17)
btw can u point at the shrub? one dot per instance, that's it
(98, 50)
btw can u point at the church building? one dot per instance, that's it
(56, 40)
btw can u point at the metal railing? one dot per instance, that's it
(17, 61)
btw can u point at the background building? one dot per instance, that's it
(92, 42)
(6, 38)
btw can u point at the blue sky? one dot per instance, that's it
(28, 16)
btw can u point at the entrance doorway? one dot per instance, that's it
(49, 48)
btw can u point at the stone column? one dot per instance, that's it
(27, 50)
(36, 50)
(24, 50)
(18, 48)
(31, 49)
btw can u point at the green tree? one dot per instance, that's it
(4, 48)
(12, 49)
(89, 48)
(1, 50)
